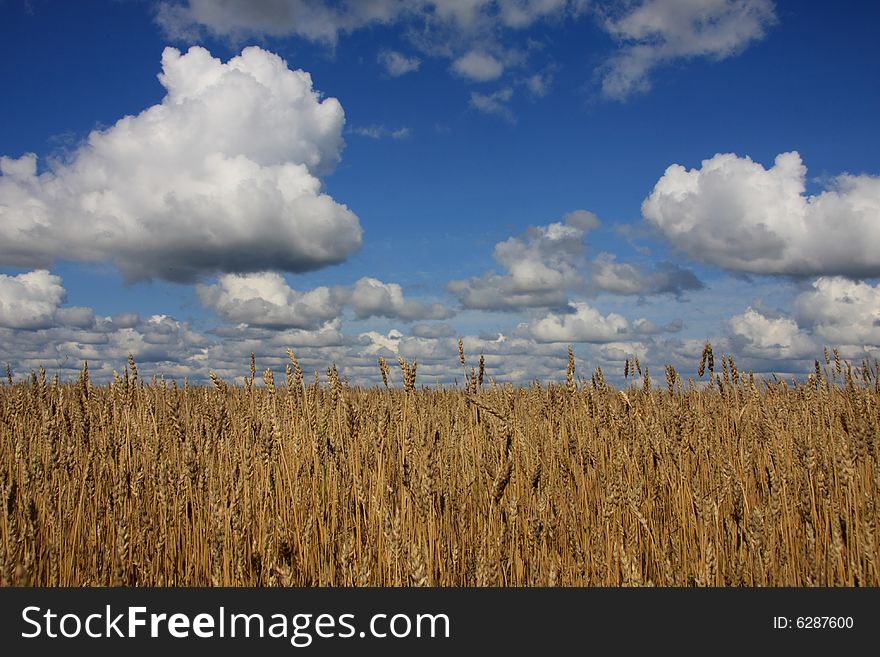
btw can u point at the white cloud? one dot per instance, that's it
(480, 37)
(494, 103)
(734, 213)
(371, 297)
(539, 267)
(380, 132)
(484, 37)
(397, 64)
(763, 337)
(265, 299)
(841, 312)
(582, 324)
(161, 344)
(222, 176)
(478, 66)
(373, 342)
(30, 300)
(655, 32)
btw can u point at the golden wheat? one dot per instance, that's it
(738, 483)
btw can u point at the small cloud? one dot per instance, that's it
(841, 311)
(539, 84)
(381, 132)
(582, 324)
(397, 64)
(432, 330)
(494, 103)
(30, 300)
(478, 66)
(539, 267)
(761, 337)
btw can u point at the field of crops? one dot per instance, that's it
(733, 482)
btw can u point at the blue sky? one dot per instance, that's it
(496, 170)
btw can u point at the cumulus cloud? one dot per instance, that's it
(734, 213)
(478, 66)
(608, 275)
(371, 297)
(759, 336)
(397, 64)
(655, 32)
(373, 342)
(222, 176)
(160, 343)
(582, 324)
(30, 300)
(840, 311)
(266, 300)
(539, 265)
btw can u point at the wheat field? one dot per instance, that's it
(729, 481)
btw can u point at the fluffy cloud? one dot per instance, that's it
(371, 297)
(582, 324)
(396, 64)
(841, 312)
(478, 66)
(30, 300)
(608, 275)
(655, 32)
(266, 300)
(757, 335)
(221, 176)
(539, 267)
(374, 342)
(734, 213)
